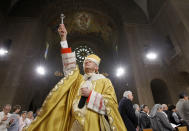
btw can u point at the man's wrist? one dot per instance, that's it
(63, 39)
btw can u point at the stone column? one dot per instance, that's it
(135, 43)
(181, 28)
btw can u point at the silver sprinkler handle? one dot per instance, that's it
(62, 16)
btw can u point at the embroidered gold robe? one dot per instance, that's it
(60, 110)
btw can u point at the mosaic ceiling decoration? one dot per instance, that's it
(86, 22)
(83, 20)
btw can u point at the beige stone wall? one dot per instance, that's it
(138, 36)
(18, 77)
(172, 20)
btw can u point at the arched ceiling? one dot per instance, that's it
(144, 6)
(106, 16)
(91, 20)
(99, 22)
(131, 11)
(154, 6)
(86, 24)
(125, 9)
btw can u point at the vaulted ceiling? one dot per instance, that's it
(96, 23)
(103, 19)
(131, 11)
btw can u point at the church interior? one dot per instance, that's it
(143, 45)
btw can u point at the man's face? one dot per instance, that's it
(90, 65)
(146, 109)
(165, 107)
(24, 115)
(7, 109)
(30, 114)
(130, 96)
(18, 110)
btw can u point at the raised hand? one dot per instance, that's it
(62, 32)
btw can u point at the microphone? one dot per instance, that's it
(82, 102)
(83, 99)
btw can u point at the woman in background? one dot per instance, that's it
(159, 122)
(137, 110)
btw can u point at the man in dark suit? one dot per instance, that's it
(144, 122)
(127, 112)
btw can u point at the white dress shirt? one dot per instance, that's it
(4, 124)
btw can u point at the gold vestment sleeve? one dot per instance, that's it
(55, 112)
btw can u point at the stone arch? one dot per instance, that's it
(160, 91)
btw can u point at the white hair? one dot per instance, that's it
(164, 106)
(126, 93)
(154, 110)
(135, 106)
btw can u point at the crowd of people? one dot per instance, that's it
(160, 118)
(16, 120)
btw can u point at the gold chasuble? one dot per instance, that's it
(60, 110)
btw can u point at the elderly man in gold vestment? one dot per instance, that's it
(60, 110)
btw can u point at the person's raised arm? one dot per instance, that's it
(68, 57)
